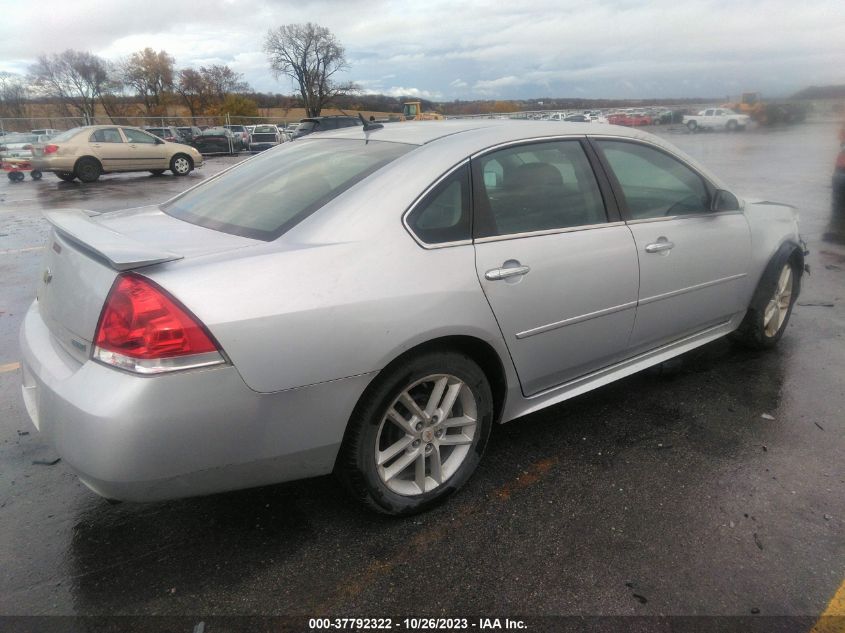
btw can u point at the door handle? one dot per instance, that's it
(503, 273)
(660, 246)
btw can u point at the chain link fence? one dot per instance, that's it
(65, 123)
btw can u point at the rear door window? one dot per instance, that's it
(107, 135)
(536, 187)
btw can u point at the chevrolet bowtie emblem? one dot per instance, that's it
(48, 276)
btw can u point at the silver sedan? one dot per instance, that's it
(380, 298)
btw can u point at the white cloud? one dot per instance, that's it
(476, 48)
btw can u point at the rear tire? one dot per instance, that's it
(399, 458)
(88, 170)
(692, 126)
(770, 309)
(35, 174)
(181, 165)
(157, 172)
(731, 126)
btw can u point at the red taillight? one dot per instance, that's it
(144, 329)
(840, 160)
(51, 149)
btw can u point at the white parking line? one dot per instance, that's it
(15, 251)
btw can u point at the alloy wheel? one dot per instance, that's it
(426, 434)
(778, 307)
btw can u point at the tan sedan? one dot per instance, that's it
(88, 152)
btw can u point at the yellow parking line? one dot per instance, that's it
(21, 250)
(833, 618)
(9, 367)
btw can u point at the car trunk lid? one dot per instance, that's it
(86, 252)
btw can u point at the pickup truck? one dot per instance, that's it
(717, 119)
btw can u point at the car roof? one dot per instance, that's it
(459, 138)
(480, 130)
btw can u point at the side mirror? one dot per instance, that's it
(725, 201)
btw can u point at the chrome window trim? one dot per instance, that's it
(421, 197)
(681, 291)
(567, 229)
(573, 320)
(527, 141)
(667, 218)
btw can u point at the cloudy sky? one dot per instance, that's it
(472, 50)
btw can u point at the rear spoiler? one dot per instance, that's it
(120, 251)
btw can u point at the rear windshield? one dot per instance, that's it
(283, 186)
(20, 138)
(66, 136)
(306, 125)
(214, 131)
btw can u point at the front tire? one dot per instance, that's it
(731, 126)
(157, 172)
(66, 176)
(771, 307)
(181, 165)
(417, 434)
(692, 126)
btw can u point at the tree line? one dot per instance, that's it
(144, 83)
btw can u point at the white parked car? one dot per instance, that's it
(717, 119)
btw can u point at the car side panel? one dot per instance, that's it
(314, 313)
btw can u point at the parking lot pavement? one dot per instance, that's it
(712, 487)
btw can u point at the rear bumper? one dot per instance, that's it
(54, 163)
(260, 147)
(189, 433)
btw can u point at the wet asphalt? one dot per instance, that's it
(714, 486)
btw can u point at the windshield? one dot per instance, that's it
(284, 186)
(306, 126)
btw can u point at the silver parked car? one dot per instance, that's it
(380, 298)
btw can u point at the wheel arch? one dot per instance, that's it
(481, 352)
(789, 250)
(88, 157)
(478, 350)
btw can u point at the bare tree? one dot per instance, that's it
(311, 56)
(13, 95)
(151, 75)
(77, 79)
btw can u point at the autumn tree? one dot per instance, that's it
(311, 56)
(222, 81)
(13, 95)
(151, 75)
(77, 79)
